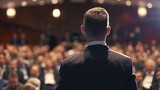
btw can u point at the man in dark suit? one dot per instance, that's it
(98, 67)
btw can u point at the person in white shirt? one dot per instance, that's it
(149, 74)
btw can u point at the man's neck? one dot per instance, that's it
(96, 43)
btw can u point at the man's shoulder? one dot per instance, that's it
(73, 59)
(117, 56)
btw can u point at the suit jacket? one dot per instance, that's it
(155, 86)
(154, 80)
(19, 87)
(42, 79)
(97, 68)
(20, 75)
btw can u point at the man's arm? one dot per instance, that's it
(63, 82)
(131, 85)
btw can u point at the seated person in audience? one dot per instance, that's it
(2, 81)
(158, 62)
(13, 68)
(156, 85)
(49, 76)
(35, 71)
(149, 74)
(3, 63)
(139, 79)
(35, 82)
(14, 83)
(23, 40)
(14, 39)
(23, 66)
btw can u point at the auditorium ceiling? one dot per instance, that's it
(19, 3)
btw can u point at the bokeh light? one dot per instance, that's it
(56, 13)
(11, 12)
(142, 11)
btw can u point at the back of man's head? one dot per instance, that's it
(96, 20)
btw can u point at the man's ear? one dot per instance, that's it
(83, 30)
(108, 30)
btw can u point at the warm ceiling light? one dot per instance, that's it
(142, 11)
(24, 3)
(149, 5)
(128, 3)
(100, 1)
(56, 13)
(54, 1)
(11, 12)
(34, 0)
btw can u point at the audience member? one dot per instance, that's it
(149, 74)
(35, 71)
(23, 40)
(13, 68)
(14, 39)
(2, 81)
(49, 76)
(44, 40)
(14, 83)
(139, 78)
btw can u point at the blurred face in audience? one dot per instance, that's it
(158, 60)
(13, 65)
(48, 64)
(44, 49)
(139, 77)
(1, 48)
(20, 60)
(13, 81)
(34, 72)
(23, 35)
(149, 66)
(15, 35)
(158, 75)
(2, 59)
(40, 59)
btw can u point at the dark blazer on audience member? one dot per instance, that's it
(42, 79)
(97, 68)
(20, 75)
(155, 86)
(154, 80)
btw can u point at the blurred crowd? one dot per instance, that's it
(26, 67)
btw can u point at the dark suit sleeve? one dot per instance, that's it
(131, 85)
(63, 81)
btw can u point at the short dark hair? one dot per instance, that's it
(96, 20)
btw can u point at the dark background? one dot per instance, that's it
(34, 20)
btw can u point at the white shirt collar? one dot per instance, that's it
(96, 42)
(152, 73)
